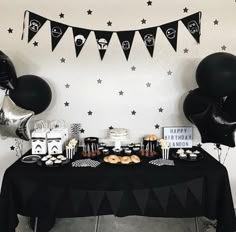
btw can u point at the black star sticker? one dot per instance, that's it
(90, 113)
(10, 30)
(35, 43)
(169, 72)
(66, 104)
(99, 81)
(157, 126)
(133, 68)
(186, 50)
(89, 12)
(149, 3)
(109, 23)
(223, 48)
(216, 22)
(111, 127)
(160, 110)
(63, 60)
(185, 10)
(199, 145)
(148, 85)
(82, 130)
(121, 93)
(12, 148)
(133, 112)
(61, 15)
(67, 86)
(143, 21)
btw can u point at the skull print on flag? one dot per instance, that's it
(170, 30)
(103, 39)
(149, 36)
(80, 38)
(57, 31)
(35, 24)
(193, 24)
(126, 40)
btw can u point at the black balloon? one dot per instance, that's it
(215, 126)
(7, 72)
(197, 102)
(31, 93)
(216, 74)
(230, 106)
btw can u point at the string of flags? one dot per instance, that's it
(103, 38)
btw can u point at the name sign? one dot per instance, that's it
(179, 137)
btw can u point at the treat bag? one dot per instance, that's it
(55, 141)
(60, 126)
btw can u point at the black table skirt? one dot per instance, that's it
(187, 189)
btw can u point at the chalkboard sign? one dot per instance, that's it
(179, 137)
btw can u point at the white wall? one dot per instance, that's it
(82, 73)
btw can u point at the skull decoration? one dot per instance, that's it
(34, 25)
(193, 27)
(79, 40)
(171, 33)
(149, 40)
(126, 45)
(102, 44)
(56, 32)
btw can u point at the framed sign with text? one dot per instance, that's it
(179, 137)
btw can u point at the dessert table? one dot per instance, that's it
(188, 189)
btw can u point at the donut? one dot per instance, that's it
(113, 159)
(135, 159)
(106, 159)
(125, 160)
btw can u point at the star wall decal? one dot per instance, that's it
(160, 110)
(10, 30)
(66, 104)
(121, 93)
(186, 50)
(12, 148)
(109, 23)
(99, 81)
(61, 16)
(216, 22)
(185, 10)
(133, 68)
(148, 85)
(89, 12)
(133, 112)
(143, 21)
(35, 43)
(157, 126)
(169, 73)
(111, 127)
(82, 130)
(223, 48)
(63, 60)
(90, 113)
(199, 145)
(67, 86)
(149, 3)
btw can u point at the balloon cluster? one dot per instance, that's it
(212, 106)
(26, 95)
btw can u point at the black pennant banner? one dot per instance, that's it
(103, 38)
(149, 36)
(180, 191)
(35, 24)
(162, 195)
(196, 188)
(170, 30)
(95, 198)
(126, 40)
(57, 32)
(114, 198)
(80, 38)
(141, 197)
(193, 24)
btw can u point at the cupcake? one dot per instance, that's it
(193, 156)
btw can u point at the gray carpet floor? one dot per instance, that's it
(126, 224)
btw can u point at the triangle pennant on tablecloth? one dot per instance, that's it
(162, 195)
(141, 197)
(95, 198)
(114, 198)
(196, 188)
(56, 196)
(180, 191)
(79, 195)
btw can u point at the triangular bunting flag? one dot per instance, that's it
(170, 30)
(55, 195)
(114, 198)
(196, 188)
(193, 24)
(27, 189)
(103, 39)
(79, 195)
(57, 32)
(126, 40)
(80, 38)
(180, 191)
(141, 197)
(162, 195)
(149, 36)
(95, 198)
(35, 24)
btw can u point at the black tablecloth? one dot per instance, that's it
(187, 189)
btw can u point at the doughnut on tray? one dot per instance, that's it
(121, 159)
